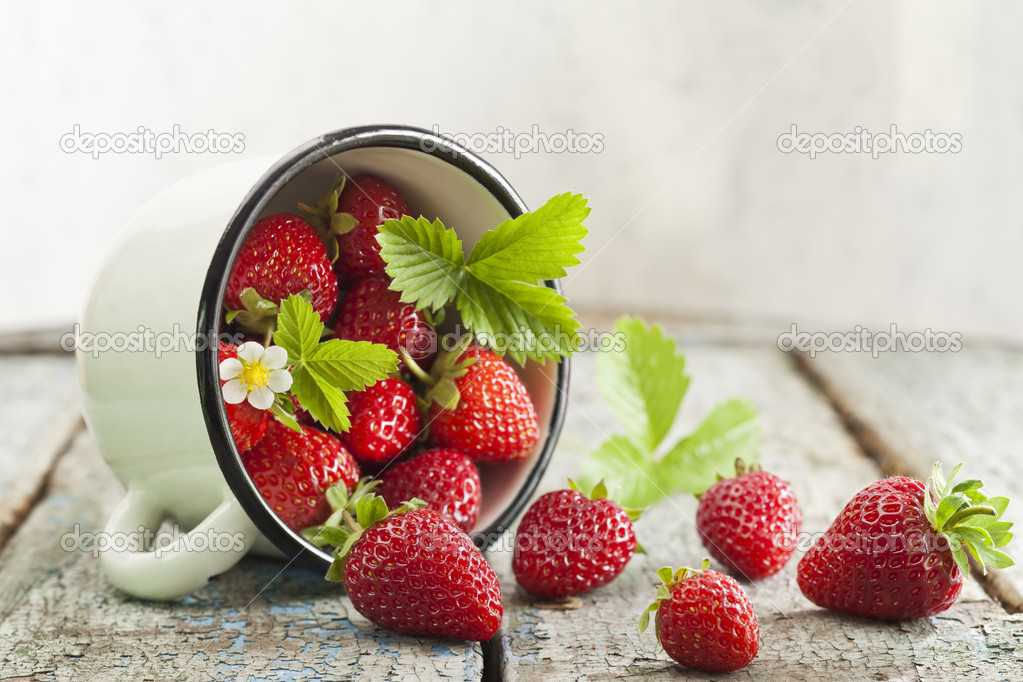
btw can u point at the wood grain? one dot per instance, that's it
(62, 620)
(39, 417)
(912, 409)
(804, 442)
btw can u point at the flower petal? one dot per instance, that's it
(261, 398)
(230, 368)
(274, 357)
(250, 351)
(279, 380)
(234, 392)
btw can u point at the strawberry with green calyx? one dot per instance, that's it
(478, 405)
(703, 620)
(749, 522)
(899, 549)
(570, 542)
(325, 218)
(340, 498)
(414, 571)
(281, 256)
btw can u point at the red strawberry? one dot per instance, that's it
(489, 415)
(749, 523)
(281, 256)
(704, 620)
(568, 543)
(247, 423)
(898, 548)
(293, 470)
(372, 312)
(415, 572)
(445, 479)
(370, 201)
(385, 421)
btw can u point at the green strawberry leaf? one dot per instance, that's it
(500, 290)
(537, 245)
(323, 401)
(644, 385)
(298, 329)
(424, 260)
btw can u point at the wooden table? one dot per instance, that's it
(831, 425)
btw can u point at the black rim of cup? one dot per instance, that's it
(211, 312)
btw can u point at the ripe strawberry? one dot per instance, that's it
(281, 256)
(445, 479)
(372, 312)
(293, 470)
(482, 408)
(385, 421)
(247, 423)
(568, 543)
(347, 217)
(370, 201)
(414, 571)
(704, 620)
(898, 548)
(749, 523)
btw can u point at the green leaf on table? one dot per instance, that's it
(643, 381)
(500, 289)
(730, 431)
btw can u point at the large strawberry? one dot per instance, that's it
(479, 406)
(898, 550)
(568, 542)
(750, 522)
(704, 620)
(281, 256)
(293, 470)
(248, 424)
(445, 479)
(372, 312)
(413, 571)
(351, 211)
(384, 421)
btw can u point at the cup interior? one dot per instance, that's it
(438, 182)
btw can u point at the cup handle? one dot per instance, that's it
(184, 565)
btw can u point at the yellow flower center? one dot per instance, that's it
(254, 375)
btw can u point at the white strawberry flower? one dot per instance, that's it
(257, 374)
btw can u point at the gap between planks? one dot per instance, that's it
(895, 460)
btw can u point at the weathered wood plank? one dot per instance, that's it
(37, 421)
(35, 341)
(805, 443)
(62, 620)
(912, 409)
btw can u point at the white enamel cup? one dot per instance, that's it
(151, 397)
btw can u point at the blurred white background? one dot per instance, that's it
(695, 211)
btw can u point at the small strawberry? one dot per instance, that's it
(351, 211)
(479, 406)
(569, 543)
(372, 312)
(385, 421)
(293, 470)
(704, 620)
(248, 424)
(445, 479)
(898, 550)
(413, 571)
(281, 256)
(749, 523)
